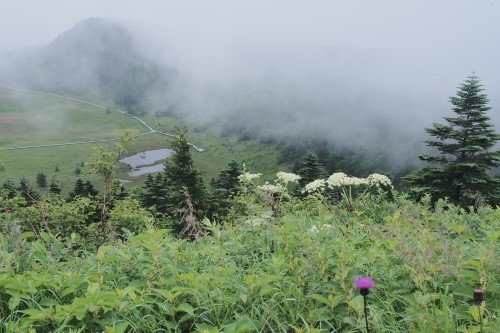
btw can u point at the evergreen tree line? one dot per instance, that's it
(460, 172)
(30, 193)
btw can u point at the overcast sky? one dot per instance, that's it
(411, 53)
(442, 35)
(469, 24)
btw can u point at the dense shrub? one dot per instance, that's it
(267, 270)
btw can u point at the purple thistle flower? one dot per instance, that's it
(363, 282)
(478, 295)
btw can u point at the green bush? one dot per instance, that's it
(268, 270)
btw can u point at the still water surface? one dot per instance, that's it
(148, 161)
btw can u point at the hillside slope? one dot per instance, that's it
(96, 56)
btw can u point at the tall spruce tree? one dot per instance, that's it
(181, 178)
(9, 189)
(54, 187)
(222, 189)
(41, 180)
(311, 170)
(83, 189)
(461, 170)
(179, 191)
(153, 193)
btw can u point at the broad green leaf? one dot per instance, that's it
(14, 302)
(185, 307)
(205, 328)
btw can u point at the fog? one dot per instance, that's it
(357, 73)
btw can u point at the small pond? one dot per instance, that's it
(148, 161)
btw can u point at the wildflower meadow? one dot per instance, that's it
(345, 255)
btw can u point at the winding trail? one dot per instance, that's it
(151, 129)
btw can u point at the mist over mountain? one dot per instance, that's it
(96, 55)
(336, 80)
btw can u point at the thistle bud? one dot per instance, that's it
(478, 296)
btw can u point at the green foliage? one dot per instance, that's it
(311, 169)
(27, 192)
(222, 189)
(179, 192)
(460, 172)
(127, 216)
(54, 187)
(41, 180)
(85, 189)
(153, 192)
(290, 273)
(9, 188)
(102, 164)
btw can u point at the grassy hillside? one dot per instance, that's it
(28, 119)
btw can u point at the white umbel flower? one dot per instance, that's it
(270, 188)
(248, 177)
(286, 177)
(339, 179)
(378, 179)
(315, 186)
(321, 228)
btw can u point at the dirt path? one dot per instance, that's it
(151, 130)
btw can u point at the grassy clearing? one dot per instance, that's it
(32, 119)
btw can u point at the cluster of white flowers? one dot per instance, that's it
(254, 222)
(378, 179)
(267, 215)
(316, 186)
(341, 179)
(286, 177)
(270, 188)
(315, 230)
(337, 179)
(358, 181)
(248, 177)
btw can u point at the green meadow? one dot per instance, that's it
(28, 119)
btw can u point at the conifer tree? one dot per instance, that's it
(9, 188)
(151, 193)
(27, 192)
(78, 189)
(54, 187)
(461, 170)
(181, 179)
(223, 188)
(41, 180)
(228, 180)
(311, 170)
(89, 190)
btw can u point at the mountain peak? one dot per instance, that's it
(96, 55)
(93, 34)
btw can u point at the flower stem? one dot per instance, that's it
(366, 315)
(479, 317)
